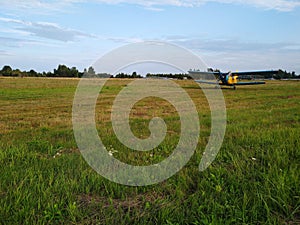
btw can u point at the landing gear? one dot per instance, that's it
(234, 87)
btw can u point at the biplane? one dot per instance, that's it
(223, 79)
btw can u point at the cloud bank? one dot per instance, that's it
(279, 5)
(232, 54)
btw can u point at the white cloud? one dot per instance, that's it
(46, 30)
(15, 42)
(52, 31)
(280, 5)
(4, 53)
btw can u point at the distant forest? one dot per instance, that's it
(73, 72)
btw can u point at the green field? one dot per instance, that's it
(255, 178)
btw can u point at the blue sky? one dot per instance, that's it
(226, 34)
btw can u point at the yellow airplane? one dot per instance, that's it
(223, 79)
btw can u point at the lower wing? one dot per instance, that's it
(236, 84)
(250, 83)
(207, 82)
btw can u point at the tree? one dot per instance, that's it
(61, 71)
(74, 72)
(64, 71)
(91, 71)
(134, 75)
(32, 73)
(6, 71)
(17, 73)
(120, 75)
(293, 74)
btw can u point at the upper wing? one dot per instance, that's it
(256, 74)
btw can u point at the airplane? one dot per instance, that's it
(223, 79)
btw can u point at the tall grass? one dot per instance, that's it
(44, 179)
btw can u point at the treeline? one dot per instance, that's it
(180, 76)
(124, 75)
(286, 75)
(61, 71)
(64, 71)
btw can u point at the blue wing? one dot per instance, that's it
(250, 83)
(207, 82)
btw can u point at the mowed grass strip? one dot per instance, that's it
(255, 178)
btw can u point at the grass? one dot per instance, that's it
(255, 178)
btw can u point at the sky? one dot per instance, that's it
(230, 35)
